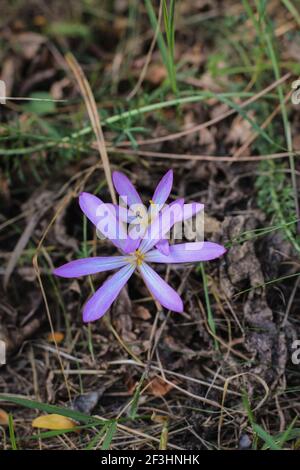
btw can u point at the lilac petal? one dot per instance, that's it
(162, 224)
(89, 205)
(132, 244)
(125, 188)
(86, 266)
(160, 290)
(187, 253)
(163, 247)
(189, 210)
(163, 189)
(103, 216)
(100, 302)
(122, 213)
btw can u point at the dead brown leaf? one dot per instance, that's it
(158, 387)
(3, 418)
(57, 337)
(156, 74)
(142, 313)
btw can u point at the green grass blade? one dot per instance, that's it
(112, 428)
(210, 318)
(11, 429)
(160, 40)
(136, 397)
(35, 405)
(292, 9)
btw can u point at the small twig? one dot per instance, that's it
(91, 106)
(207, 158)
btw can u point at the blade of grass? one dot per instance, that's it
(265, 436)
(269, 38)
(163, 442)
(259, 431)
(94, 441)
(292, 9)
(11, 429)
(35, 405)
(136, 397)
(125, 115)
(169, 20)
(272, 281)
(112, 428)
(160, 39)
(210, 318)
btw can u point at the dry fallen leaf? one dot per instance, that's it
(142, 313)
(57, 337)
(3, 417)
(156, 74)
(159, 388)
(240, 130)
(160, 419)
(53, 422)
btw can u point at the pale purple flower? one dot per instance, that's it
(136, 254)
(138, 215)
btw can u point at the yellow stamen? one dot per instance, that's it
(139, 257)
(151, 202)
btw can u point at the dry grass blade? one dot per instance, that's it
(207, 158)
(91, 106)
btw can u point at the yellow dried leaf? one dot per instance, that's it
(3, 418)
(56, 336)
(160, 419)
(54, 422)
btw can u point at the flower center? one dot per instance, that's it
(139, 257)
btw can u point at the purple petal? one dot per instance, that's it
(163, 247)
(85, 266)
(122, 213)
(125, 188)
(187, 253)
(163, 189)
(160, 290)
(89, 205)
(100, 302)
(132, 244)
(162, 224)
(103, 216)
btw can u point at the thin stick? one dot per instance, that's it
(91, 106)
(208, 158)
